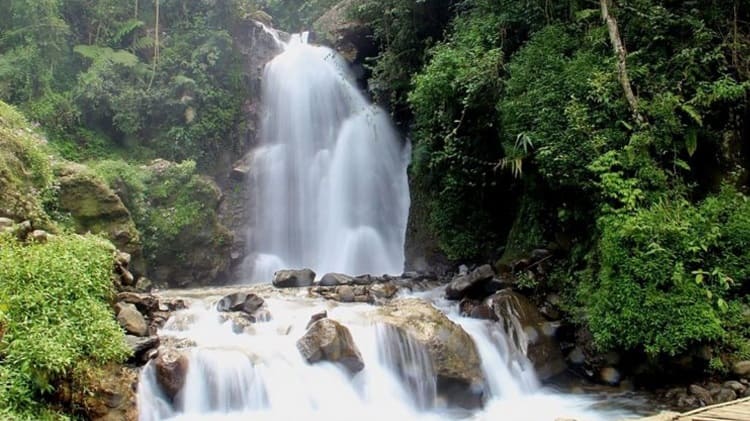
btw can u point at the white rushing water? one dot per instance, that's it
(260, 374)
(329, 175)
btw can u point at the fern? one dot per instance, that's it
(125, 29)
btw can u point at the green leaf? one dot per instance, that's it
(691, 141)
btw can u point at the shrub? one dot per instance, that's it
(54, 315)
(668, 274)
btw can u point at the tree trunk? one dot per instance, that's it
(621, 53)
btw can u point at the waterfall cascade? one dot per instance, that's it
(329, 175)
(260, 374)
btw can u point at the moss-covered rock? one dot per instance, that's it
(94, 207)
(175, 210)
(24, 169)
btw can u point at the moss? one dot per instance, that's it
(24, 169)
(95, 208)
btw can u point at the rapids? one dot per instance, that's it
(261, 375)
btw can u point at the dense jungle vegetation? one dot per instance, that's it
(614, 132)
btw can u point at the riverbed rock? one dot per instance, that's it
(383, 291)
(131, 319)
(335, 279)
(315, 317)
(529, 332)
(240, 301)
(329, 340)
(345, 294)
(470, 283)
(171, 368)
(141, 348)
(703, 395)
(724, 395)
(293, 278)
(454, 355)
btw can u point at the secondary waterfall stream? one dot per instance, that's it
(329, 176)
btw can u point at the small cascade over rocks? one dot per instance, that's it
(412, 358)
(329, 175)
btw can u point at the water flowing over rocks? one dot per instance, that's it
(329, 340)
(171, 370)
(453, 353)
(529, 332)
(470, 284)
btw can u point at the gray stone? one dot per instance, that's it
(39, 236)
(240, 301)
(461, 285)
(141, 347)
(385, 290)
(335, 279)
(703, 395)
(131, 319)
(328, 340)
(315, 317)
(735, 385)
(293, 278)
(345, 293)
(725, 395)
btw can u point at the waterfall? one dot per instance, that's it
(329, 176)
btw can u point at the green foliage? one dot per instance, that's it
(24, 167)
(54, 316)
(667, 274)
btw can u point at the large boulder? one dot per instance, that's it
(131, 319)
(470, 284)
(293, 278)
(454, 355)
(95, 207)
(529, 332)
(142, 349)
(240, 301)
(171, 368)
(329, 340)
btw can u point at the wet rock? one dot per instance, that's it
(328, 340)
(240, 301)
(293, 278)
(171, 368)
(335, 279)
(364, 279)
(242, 167)
(735, 386)
(315, 317)
(741, 368)
(538, 255)
(346, 294)
(383, 291)
(529, 332)
(576, 356)
(145, 303)
(131, 319)
(462, 285)
(141, 348)
(454, 355)
(688, 401)
(725, 395)
(703, 395)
